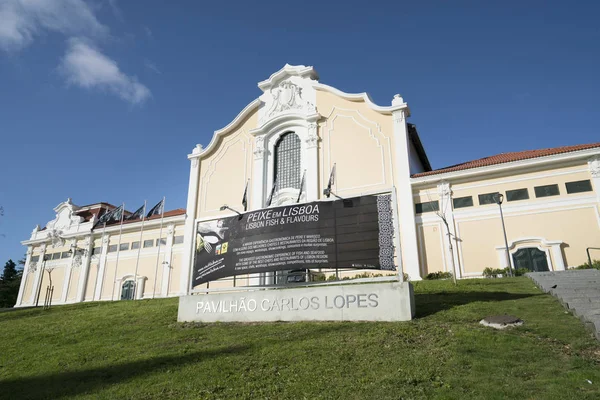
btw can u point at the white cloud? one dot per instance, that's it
(22, 20)
(85, 66)
(151, 66)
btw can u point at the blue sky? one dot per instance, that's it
(102, 100)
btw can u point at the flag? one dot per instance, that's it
(327, 192)
(108, 216)
(273, 189)
(245, 197)
(139, 213)
(117, 214)
(157, 209)
(301, 186)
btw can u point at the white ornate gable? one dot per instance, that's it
(288, 91)
(65, 221)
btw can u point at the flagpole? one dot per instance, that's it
(137, 260)
(98, 265)
(112, 296)
(162, 214)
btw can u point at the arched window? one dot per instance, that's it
(127, 290)
(287, 161)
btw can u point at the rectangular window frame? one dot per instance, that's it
(112, 248)
(517, 194)
(457, 202)
(178, 239)
(546, 190)
(582, 186)
(488, 198)
(426, 207)
(124, 247)
(135, 245)
(148, 243)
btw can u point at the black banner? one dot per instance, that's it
(351, 233)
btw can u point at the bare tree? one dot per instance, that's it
(445, 195)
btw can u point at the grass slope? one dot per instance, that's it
(136, 350)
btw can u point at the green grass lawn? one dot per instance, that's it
(137, 350)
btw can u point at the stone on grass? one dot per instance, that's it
(501, 321)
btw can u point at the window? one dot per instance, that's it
(96, 250)
(35, 258)
(56, 256)
(127, 290)
(579, 186)
(287, 161)
(135, 245)
(112, 248)
(488, 198)
(178, 239)
(65, 254)
(148, 243)
(517, 194)
(547, 190)
(531, 259)
(429, 206)
(462, 202)
(124, 246)
(163, 241)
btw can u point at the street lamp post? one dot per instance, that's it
(499, 199)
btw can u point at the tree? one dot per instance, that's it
(9, 284)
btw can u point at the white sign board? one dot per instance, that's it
(388, 301)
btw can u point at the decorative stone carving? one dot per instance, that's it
(170, 229)
(312, 138)
(55, 236)
(76, 260)
(594, 165)
(260, 151)
(444, 189)
(29, 250)
(285, 97)
(43, 248)
(32, 267)
(398, 116)
(105, 239)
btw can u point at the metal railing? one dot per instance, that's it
(587, 250)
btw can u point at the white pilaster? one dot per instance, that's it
(85, 269)
(312, 163)
(166, 267)
(190, 221)
(403, 187)
(38, 275)
(24, 276)
(258, 173)
(452, 260)
(101, 268)
(559, 261)
(68, 272)
(594, 166)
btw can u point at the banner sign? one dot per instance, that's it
(351, 233)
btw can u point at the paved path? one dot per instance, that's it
(578, 290)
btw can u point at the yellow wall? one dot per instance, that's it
(224, 172)
(431, 257)
(359, 141)
(554, 218)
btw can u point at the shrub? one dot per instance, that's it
(595, 265)
(438, 275)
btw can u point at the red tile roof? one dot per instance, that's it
(508, 157)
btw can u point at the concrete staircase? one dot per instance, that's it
(578, 290)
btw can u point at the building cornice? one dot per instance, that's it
(508, 167)
(127, 228)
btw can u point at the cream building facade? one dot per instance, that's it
(299, 127)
